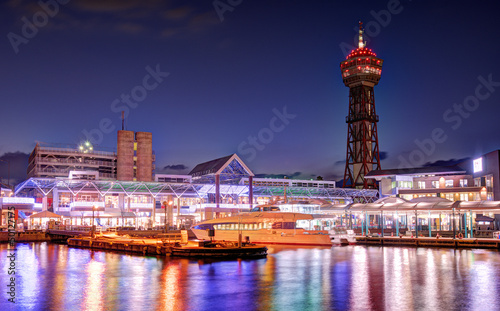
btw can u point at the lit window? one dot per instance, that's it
(464, 197)
(449, 183)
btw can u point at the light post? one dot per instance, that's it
(93, 227)
(165, 220)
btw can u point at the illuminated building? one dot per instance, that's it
(360, 73)
(51, 160)
(194, 196)
(472, 180)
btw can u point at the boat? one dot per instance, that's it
(342, 236)
(262, 228)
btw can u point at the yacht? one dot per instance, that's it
(342, 236)
(262, 228)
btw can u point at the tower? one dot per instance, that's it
(361, 72)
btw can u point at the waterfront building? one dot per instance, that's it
(361, 71)
(134, 159)
(214, 188)
(57, 160)
(474, 179)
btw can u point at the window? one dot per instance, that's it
(449, 183)
(464, 197)
(421, 185)
(463, 182)
(449, 196)
(435, 184)
(489, 181)
(477, 182)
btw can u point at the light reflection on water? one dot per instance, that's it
(55, 277)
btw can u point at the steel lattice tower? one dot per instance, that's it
(361, 72)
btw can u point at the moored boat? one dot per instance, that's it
(342, 236)
(262, 228)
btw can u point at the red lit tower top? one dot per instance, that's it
(361, 64)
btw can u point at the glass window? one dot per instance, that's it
(449, 183)
(477, 182)
(435, 184)
(463, 182)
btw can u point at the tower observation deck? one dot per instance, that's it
(361, 72)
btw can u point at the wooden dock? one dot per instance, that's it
(162, 248)
(137, 247)
(430, 242)
(25, 236)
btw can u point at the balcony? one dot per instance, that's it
(361, 117)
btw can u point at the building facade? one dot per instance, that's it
(475, 179)
(49, 160)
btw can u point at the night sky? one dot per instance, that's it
(206, 76)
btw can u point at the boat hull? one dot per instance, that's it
(269, 236)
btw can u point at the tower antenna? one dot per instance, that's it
(361, 43)
(123, 120)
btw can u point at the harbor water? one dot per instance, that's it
(57, 277)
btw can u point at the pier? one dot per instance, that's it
(429, 242)
(173, 244)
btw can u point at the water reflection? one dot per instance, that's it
(55, 277)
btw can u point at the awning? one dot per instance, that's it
(45, 214)
(99, 214)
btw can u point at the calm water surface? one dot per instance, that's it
(57, 277)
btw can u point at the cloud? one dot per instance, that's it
(341, 162)
(18, 162)
(115, 5)
(290, 176)
(130, 28)
(157, 17)
(383, 155)
(177, 14)
(449, 162)
(175, 167)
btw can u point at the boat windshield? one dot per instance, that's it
(340, 230)
(265, 209)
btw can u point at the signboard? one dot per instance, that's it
(478, 165)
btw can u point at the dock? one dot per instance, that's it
(429, 242)
(155, 247)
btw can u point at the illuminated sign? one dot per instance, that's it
(17, 200)
(478, 165)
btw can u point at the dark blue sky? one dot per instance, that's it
(227, 78)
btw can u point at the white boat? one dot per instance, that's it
(342, 236)
(262, 228)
